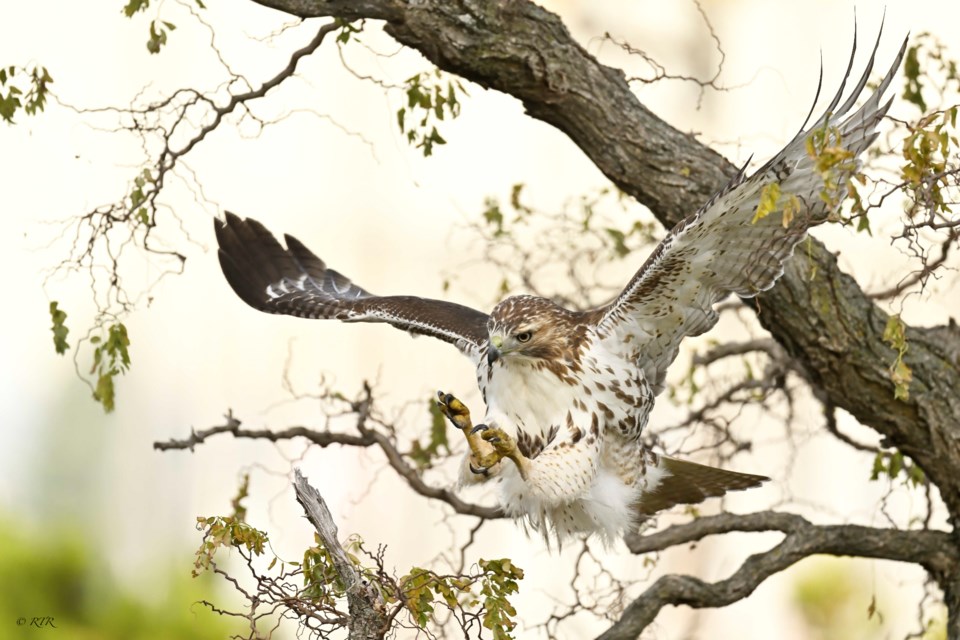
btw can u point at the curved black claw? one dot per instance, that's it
(493, 438)
(480, 471)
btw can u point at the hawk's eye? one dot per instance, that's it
(524, 337)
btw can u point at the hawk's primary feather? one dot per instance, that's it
(294, 281)
(721, 249)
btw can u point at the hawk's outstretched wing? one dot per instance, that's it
(721, 250)
(294, 281)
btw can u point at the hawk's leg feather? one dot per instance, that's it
(483, 455)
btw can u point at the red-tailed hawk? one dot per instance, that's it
(568, 393)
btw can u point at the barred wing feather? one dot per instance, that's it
(720, 249)
(294, 281)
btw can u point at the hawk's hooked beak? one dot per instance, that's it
(493, 349)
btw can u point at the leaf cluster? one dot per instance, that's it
(431, 97)
(832, 161)
(111, 357)
(14, 97)
(928, 152)
(892, 464)
(772, 200)
(480, 597)
(158, 28)
(927, 58)
(225, 531)
(59, 328)
(422, 590)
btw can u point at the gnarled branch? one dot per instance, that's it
(933, 550)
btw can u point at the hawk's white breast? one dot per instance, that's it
(588, 477)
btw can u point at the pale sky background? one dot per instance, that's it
(391, 220)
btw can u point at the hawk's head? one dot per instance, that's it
(533, 330)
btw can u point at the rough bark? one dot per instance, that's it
(817, 312)
(933, 550)
(368, 617)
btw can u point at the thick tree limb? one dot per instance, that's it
(368, 616)
(934, 550)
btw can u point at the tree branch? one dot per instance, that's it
(366, 438)
(934, 550)
(368, 617)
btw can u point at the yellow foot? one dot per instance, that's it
(483, 455)
(504, 446)
(455, 411)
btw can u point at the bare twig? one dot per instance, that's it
(366, 438)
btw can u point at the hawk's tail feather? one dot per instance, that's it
(691, 483)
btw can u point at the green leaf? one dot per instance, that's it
(158, 35)
(135, 6)
(913, 91)
(110, 358)
(428, 100)
(494, 216)
(103, 393)
(117, 345)
(618, 238)
(515, 192)
(423, 455)
(59, 329)
(878, 466)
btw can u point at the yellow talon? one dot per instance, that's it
(483, 455)
(503, 445)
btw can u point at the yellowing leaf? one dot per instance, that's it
(901, 375)
(895, 334)
(790, 210)
(769, 197)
